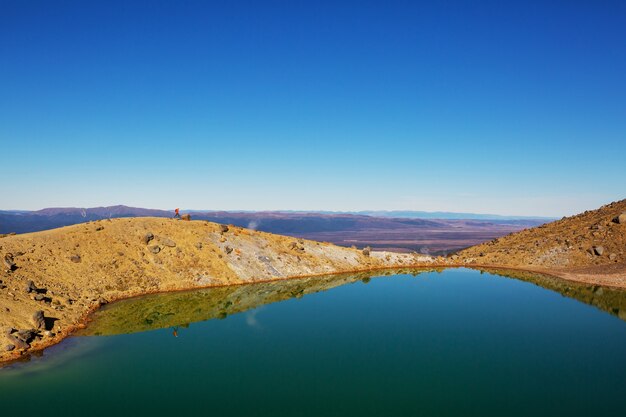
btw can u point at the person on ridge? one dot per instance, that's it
(177, 213)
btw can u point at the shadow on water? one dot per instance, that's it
(173, 310)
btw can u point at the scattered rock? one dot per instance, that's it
(147, 237)
(75, 258)
(155, 249)
(223, 228)
(228, 250)
(167, 242)
(30, 287)
(66, 301)
(39, 320)
(26, 335)
(198, 245)
(612, 256)
(9, 263)
(621, 219)
(598, 250)
(9, 347)
(366, 251)
(17, 343)
(39, 297)
(99, 228)
(296, 246)
(186, 217)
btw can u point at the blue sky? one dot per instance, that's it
(514, 108)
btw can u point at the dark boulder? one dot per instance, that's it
(223, 228)
(30, 287)
(155, 249)
(621, 219)
(366, 251)
(17, 343)
(228, 250)
(26, 335)
(75, 258)
(147, 237)
(9, 263)
(39, 320)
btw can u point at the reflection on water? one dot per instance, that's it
(179, 309)
(611, 300)
(176, 310)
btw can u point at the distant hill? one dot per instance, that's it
(401, 234)
(51, 218)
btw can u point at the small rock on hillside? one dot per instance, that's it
(148, 237)
(38, 320)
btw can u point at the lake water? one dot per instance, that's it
(456, 342)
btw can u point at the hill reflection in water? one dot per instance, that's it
(182, 308)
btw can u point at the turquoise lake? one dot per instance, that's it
(456, 342)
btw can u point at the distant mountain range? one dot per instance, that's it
(406, 214)
(392, 230)
(448, 215)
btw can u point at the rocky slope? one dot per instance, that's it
(587, 246)
(50, 280)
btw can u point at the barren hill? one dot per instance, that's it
(69, 271)
(590, 243)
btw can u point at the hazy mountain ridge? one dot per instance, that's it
(389, 233)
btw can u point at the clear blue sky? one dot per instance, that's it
(493, 107)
